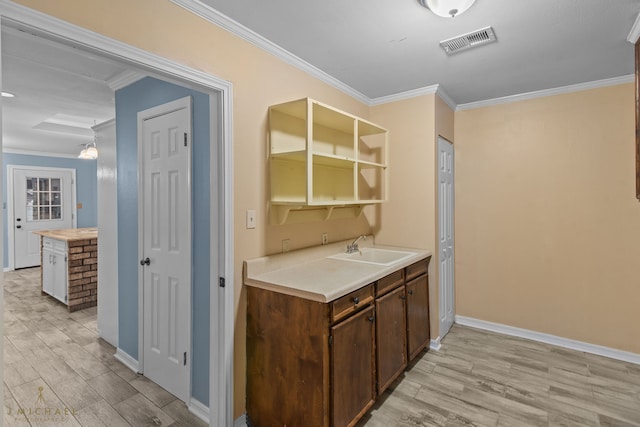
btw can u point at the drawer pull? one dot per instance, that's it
(403, 297)
(356, 300)
(371, 318)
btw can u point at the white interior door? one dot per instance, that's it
(42, 200)
(165, 221)
(445, 234)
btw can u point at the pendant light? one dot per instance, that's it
(447, 8)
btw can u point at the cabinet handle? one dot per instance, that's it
(403, 297)
(371, 318)
(356, 300)
(410, 292)
(54, 260)
(50, 258)
(145, 261)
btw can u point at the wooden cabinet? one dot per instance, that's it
(353, 388)
(391, 337)
(54, 268)
(324, 364)
(323, 157)
(418, 334)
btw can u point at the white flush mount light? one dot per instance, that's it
(7, 95)
(447, 8)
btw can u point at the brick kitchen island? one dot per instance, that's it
(69, 266)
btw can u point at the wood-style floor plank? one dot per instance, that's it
(479, 378)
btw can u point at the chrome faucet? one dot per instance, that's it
(353, 246)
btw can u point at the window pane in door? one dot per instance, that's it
(44, 213)
(44, 199)
(55, 198)
(55, 184)
(56, 212)
(32, 213)
(43, 184)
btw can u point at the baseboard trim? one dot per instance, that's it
(241, 421)
(7, 269)
(199, 409)
(127, 360)
(599, 350)
(435, 344)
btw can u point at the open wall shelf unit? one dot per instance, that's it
(324, 159)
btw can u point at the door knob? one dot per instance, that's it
(145, 261)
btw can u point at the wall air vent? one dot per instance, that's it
(468, 41)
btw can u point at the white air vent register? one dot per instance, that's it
(468, 41)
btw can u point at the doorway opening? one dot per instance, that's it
(221, 301)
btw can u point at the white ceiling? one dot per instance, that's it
(376, 47)
(384, 47)
(60, 93)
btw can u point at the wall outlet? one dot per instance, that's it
(251, 218)
(285, 245)
(325, 238)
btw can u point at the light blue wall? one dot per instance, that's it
(86, 186)
(141, 95)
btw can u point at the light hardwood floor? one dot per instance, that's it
(480, 378)
(477, 378)
(54, 361)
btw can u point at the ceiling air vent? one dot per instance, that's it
(468, 41)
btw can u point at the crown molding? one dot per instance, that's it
(212, 15)
(547, 92)
(427, 90)
(446, 98)
(634, 34)
(38, 153)
(124, 79)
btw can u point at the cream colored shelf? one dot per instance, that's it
(324, 161)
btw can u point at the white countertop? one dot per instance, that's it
(309, 274)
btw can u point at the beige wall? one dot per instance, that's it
(409, 217)
(547, 223)
(259, 80)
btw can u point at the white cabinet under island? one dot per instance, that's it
(69, 260)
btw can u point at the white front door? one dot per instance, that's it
(445, 234)
(164, 147)
(42, 200)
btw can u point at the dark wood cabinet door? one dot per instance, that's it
(391, 337)
(352, 368)
(418, 335)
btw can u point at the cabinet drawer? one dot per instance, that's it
(351, 302)
(389, 282)
(418, 268)
(54, 244)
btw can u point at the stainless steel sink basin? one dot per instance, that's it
(375, 256)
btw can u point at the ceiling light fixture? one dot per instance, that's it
(447, 8)
(90, 151)
(7, 95)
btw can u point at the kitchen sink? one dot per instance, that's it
(384, 257)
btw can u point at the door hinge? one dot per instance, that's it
(221, 281)
(184, 359)
(185, 139)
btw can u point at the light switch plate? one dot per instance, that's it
(251, 218)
